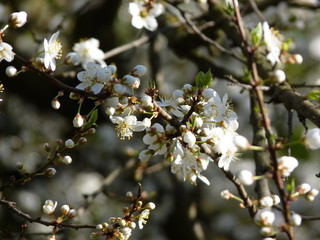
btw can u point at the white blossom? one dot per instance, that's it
(127, 125)
(273, 43)
(303, 188)
(143, 218)
(144, 14)
(189, 138)
(286, 165)
(225, 194)
(6, 52)
(52, 51)
(89, 51)
(93, 78)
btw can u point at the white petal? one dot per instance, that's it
(137, 22)
(150, 23)
(134, 9)
(96, 88)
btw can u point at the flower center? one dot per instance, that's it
(55, 49)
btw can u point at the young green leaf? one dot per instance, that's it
(204, 80)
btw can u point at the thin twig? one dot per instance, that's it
(15, 210)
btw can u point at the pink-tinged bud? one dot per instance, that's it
(303, 188)
(78, 121)
(17, 19)
(286, 165)
(55, 103)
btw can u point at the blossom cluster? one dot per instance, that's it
(121, 227)
(201, 120)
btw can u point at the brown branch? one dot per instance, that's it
(294, 100)
(15, 210)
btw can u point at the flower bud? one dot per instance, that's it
(225, 194)
(69, 143)
(99, 227)
(312, 139)
(17, 19)
(139, 70)
(72, 58)
(74, 96)
(132, 225)
(49, 207)
(241, 142)
(266, 201)
(146, 101)
(65, 209)
(246, 177)
(83, 140)
(47, 147)
(19, 165)
(119, 88)
(209, 93)
(78, 121)
(150, 206)
(55, 103)
(276, 199)
(129, 194)
(278, 76)
(11, 71)
(72, 213)
(189, 138)
(303, 188)
(67, 160)
(286, 165)
(50, 172)
(295, 219)
(264, 218)
(298, 59)
(112, 69)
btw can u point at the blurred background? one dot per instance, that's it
(173, 56)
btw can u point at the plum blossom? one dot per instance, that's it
(89, 51)
(273, 42)
(144, 14)
(143, 217)
(156, 138)
(189, 164)
(6, 52)
(52, 51)
(127, 125)
(171, 105)
(286, 165)
(220, 111)
(94, 77)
